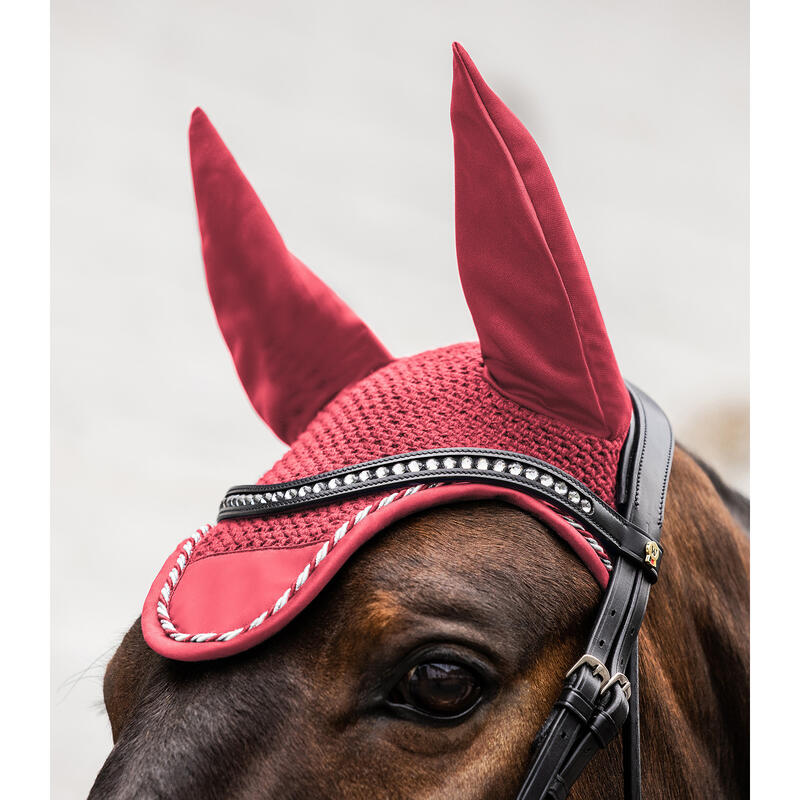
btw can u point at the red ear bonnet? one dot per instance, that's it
(542, 384)
(542, 337)
(294, 341)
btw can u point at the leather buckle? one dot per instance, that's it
(623, 682)
(599, 668)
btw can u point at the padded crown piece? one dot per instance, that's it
(542, 382)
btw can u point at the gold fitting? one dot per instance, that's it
(652, 553)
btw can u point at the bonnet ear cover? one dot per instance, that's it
(542, 337)
(294, 341)
(232, 585)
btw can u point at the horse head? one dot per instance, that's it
(409, 639)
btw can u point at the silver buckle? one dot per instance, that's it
(623, 682)
(599, 668)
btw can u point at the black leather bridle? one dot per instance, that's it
(600, 695)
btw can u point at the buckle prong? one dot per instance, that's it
(599, 668)
(623, 682)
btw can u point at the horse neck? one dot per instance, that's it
(694, 648)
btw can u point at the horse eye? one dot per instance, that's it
(438, 689)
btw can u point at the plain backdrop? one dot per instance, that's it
(339, 114)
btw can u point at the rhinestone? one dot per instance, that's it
(482, 463)
(499, 465)
(349, 479)
(317, 488)
(450, 463)
(260, 498)
(249, 499)
(304, 490)
(277, 496)
(334, 483)
(546, 480)
(290, 494)
(586, 507)
(532, 474)
(515, 469)
(364, 475)
(466, 463)
(382, 472)
(561, 488)
(414, 466)
(574, 497)
(399, 469)
(270, 497)
(431, 463)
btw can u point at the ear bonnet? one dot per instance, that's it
(541, 389)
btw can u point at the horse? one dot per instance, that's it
(426, 662)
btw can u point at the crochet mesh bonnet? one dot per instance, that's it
(541, 381)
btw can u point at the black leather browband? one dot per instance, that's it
(523, 473)
(602, 688)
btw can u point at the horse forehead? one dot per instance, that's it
(471, 561)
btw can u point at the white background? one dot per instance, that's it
(339, 115)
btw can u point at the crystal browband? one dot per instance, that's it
(475, 465)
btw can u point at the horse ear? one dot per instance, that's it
(542, 337)
(294, 341)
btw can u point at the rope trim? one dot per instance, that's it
(184, 558)
(590, 540)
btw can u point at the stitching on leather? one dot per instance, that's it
(666, 480)
(641, 461)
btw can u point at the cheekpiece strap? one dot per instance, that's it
(601, 689)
